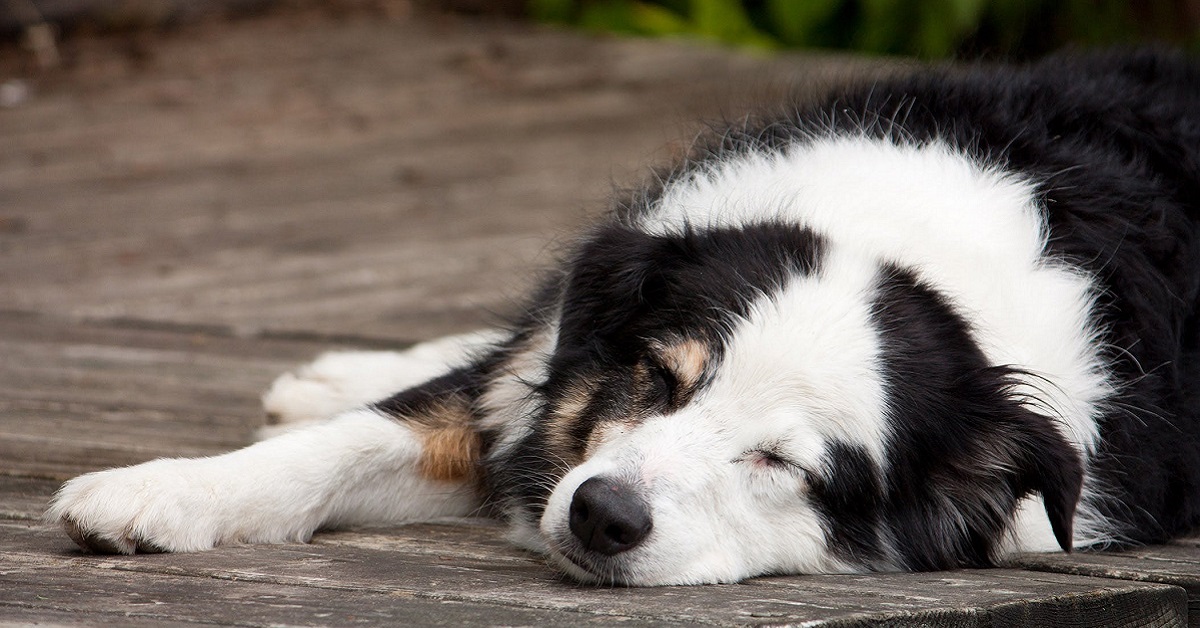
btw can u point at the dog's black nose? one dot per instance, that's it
(608, 516)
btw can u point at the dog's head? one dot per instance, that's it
(739, 401)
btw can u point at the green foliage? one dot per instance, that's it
(723, 21)
(924, 28)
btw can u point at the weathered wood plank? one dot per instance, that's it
(36, 593)
(23, 498)
(77, 397)
(1177, 563)
(469, 563)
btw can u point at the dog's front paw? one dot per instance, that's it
(158, 506)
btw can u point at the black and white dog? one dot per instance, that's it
(928, 322)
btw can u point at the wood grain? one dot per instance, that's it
(468, 563)
(77, 397)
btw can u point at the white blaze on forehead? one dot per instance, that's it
(975, 233)
(808, 354)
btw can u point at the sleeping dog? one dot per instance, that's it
(923, 324)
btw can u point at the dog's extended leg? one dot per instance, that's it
(412, 457)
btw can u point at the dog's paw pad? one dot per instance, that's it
(96, 543)
(90, 541)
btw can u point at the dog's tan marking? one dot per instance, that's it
(450, 442)
(572, 405)
(564, 414)
(685, 358)
(449, 453)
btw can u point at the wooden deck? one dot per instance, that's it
(184, 217)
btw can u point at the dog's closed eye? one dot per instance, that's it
(771, 458)
(661, 384)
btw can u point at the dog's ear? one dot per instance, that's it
(1052, 467)
(1028, 448)
(611, 277)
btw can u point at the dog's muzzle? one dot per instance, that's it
(608, 516)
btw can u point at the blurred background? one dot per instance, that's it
(390, 170)
(927, 29)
